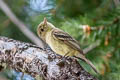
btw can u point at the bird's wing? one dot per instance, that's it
(67, 39)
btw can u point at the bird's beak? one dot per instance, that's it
(45, 21)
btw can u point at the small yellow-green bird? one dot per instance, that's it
(61, 42)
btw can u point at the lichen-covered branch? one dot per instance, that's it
(35, 61)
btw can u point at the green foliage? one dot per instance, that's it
(70, 16)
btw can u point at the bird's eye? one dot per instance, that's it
(42, 29)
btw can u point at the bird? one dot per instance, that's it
(61, 42)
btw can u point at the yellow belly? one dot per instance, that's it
(59, 47)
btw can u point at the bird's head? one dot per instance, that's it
(43, 28)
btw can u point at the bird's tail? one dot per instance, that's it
(81, 56)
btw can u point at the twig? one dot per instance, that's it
(91, 47)
(4, 7)
(117, 2)
(35, 61)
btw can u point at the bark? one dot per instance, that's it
(36, 61)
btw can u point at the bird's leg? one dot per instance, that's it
(65, 56)
(63, 59)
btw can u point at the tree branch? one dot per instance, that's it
(91, 47)
(4, 7)
(117, 2)
(36, 61)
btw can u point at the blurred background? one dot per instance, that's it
(94, 23)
